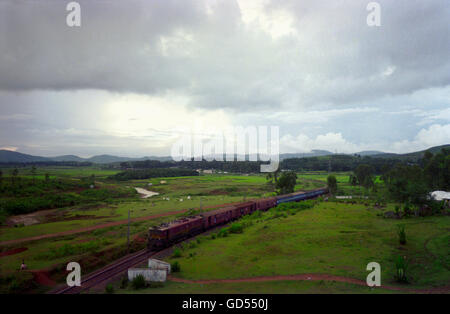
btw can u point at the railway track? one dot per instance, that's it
(106, 272)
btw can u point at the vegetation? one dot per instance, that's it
(401, 267)
(401, 234)
(138, 282)
(301, 237)
(109, 289)
(328, 237)
(153, 173)
(286, 183)
(332, 184)
(175, 267)
(29, 195)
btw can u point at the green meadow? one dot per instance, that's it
(330, 238)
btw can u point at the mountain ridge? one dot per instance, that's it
(7, 156)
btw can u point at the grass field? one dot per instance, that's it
(333, 238)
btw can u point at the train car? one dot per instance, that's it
(243, 209)
(167, 234)
(300, 196)
(173, 232)
(218, 217)
(265, 203)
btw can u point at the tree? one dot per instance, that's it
(47, 177)
(436, 170)
(14, 174)
(286, 183)
(332, 184)
(368, 182)
(33, 173)
(269, 177)
(352, 180)
(362, 172)
(406, 184)
(1, 176)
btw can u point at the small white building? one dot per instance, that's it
(157, 264)
(440, 195)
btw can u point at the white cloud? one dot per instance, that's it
(10, 148)
(333, 142)
(435, 135)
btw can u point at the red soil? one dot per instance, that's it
(42, 277)
(313, 277)
(13, 251)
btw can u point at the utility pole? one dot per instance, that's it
(128, 233)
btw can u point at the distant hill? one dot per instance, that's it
(369, 153)
(313, 153)
(414, 156)
(7, 156)
(106, 159)
(68, 158)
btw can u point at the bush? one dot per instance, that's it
(407, 210)
(236, 228)
(109, 289)
(138, 282)
(223, 233)
(401, 266)
(124, 283)
(176, 268)
(176, 253)
(401, 234)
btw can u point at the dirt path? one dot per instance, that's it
(105, 225)
(145, 193)
(312, 277)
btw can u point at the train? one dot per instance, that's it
(166, 234)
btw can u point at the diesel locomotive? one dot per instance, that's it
(169, 233)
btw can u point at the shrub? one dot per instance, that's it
(124, 283)
(192, 245)
(109, 289)
(401, 234)
(138, 282)
(236, 228)
(176, 253)
(223, 233)
(176, 268)
(407, 210)
(397, 209)
(401, 266)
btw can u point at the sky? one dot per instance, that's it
(135, 74)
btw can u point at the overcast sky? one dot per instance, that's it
(136, 72)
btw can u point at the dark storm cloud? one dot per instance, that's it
(205, 50)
